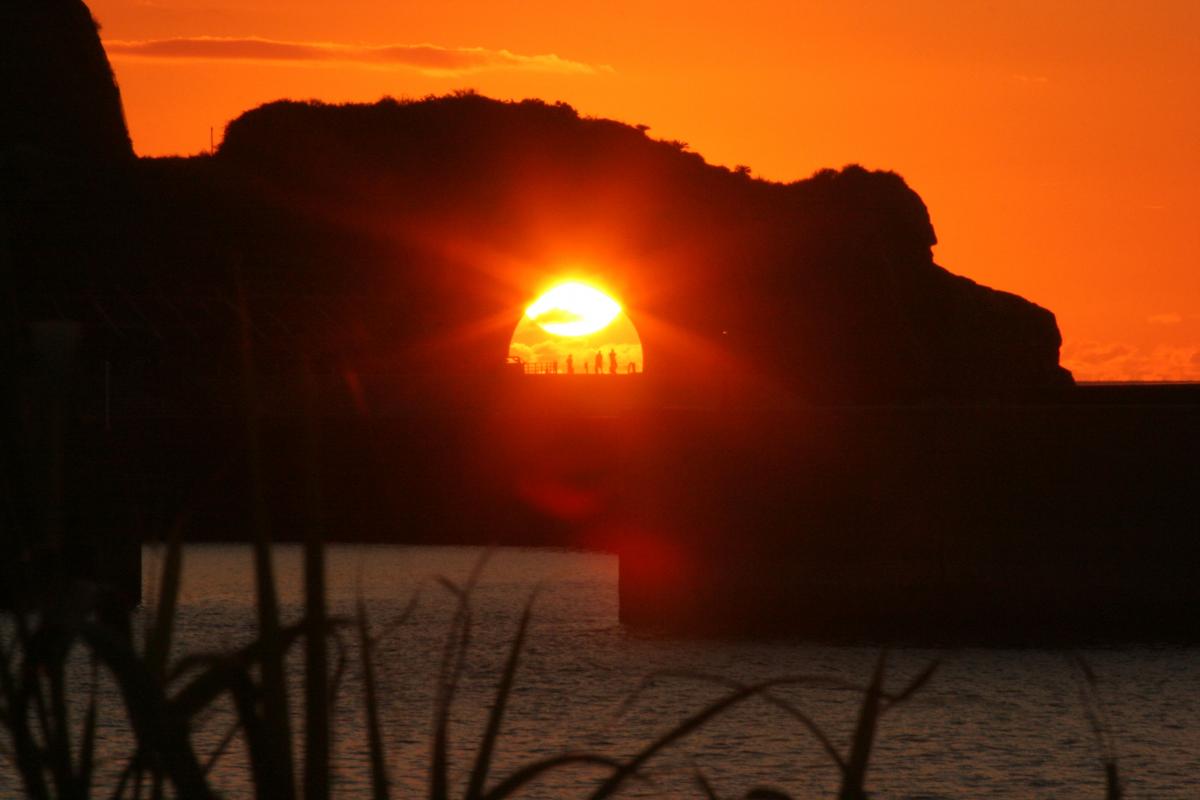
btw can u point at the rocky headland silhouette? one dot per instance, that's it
(828, 284)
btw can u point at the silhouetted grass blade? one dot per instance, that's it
(453, 658)
(913, 687)
(257, 731)
(1097, 718)
(158, 645)
(1112, 781)
(87, 739)
(156, 728)
(215, 670)
(222, 746)
(26, 752)
(317, 709)
(379, 774)
(401, 618)
(274, 686)
(704, 786)
(855, 773)
(773, 699)
(333, 690)
(58, 744)
(627, 768)
(448, 674)
(487, 745)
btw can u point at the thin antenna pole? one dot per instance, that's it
(211, 149)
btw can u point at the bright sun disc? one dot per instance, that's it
(573, 309)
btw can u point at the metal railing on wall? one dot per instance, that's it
(541, 368)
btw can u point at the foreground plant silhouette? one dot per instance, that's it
(163, 700)
(853, 768)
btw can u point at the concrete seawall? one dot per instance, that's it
(1043, 522)
(1066, 520)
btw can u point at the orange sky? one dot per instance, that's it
(1057, 144)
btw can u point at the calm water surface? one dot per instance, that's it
(993, 723)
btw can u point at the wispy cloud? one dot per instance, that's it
(428, 59)
(1114, 361)
(1166, 318)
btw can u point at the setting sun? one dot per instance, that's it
(573, 309)
(576, 329)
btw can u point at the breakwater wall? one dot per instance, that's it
(1074, 518)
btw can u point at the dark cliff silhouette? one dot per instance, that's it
(58, 93)
(828, 283)
(66, 163)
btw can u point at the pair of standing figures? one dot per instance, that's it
(612, 363)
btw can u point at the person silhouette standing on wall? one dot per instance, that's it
(612, 362)
(599, 362)
(570, 364)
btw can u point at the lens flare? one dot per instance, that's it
(573, 309)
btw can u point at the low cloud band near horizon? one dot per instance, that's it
(427, 58)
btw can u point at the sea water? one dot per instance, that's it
(990, 723)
